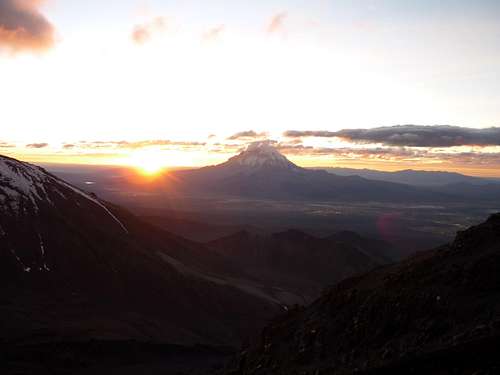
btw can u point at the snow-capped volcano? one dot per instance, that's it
(261, 154)
(261, 171)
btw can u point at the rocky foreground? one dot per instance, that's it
(436, 313)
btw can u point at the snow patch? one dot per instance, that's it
(42, 247)
(22, 182)
(25, 268)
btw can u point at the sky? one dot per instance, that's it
(192, 82)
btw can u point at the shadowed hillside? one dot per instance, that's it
(436, 313)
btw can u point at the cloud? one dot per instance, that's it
(471, 159)
(248, 134)
(352, 153)
(159, 142)
(23, 27)
(37, 145)
(412, 135)
(213, 34)
(68, 146)
(424, 136)
(277, 22)
(225, 148)
(136, 144)
(142, 33)
(6, 145)
(309, 133)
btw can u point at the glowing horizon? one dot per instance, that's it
(90, 83)
(153, 161)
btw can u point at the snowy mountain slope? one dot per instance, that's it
(25, 187)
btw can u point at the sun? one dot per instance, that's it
(150, 162)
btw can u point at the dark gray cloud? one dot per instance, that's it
(309, 133)
(412, 135)
(248, 134)
(23, 27)
(37, 145)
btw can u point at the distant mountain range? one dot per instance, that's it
(412, 177)
(262, 172)
(436, 313)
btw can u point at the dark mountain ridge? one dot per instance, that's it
(300, 262)
(411, 177)
(435, 313)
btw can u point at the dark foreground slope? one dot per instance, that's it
(436, 313)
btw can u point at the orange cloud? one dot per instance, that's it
(143, 32)
(277, 22)
(23, 27)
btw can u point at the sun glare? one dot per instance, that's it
(148, 162)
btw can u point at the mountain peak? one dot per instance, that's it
(25, 188)
(20, 180)
(262, 154)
